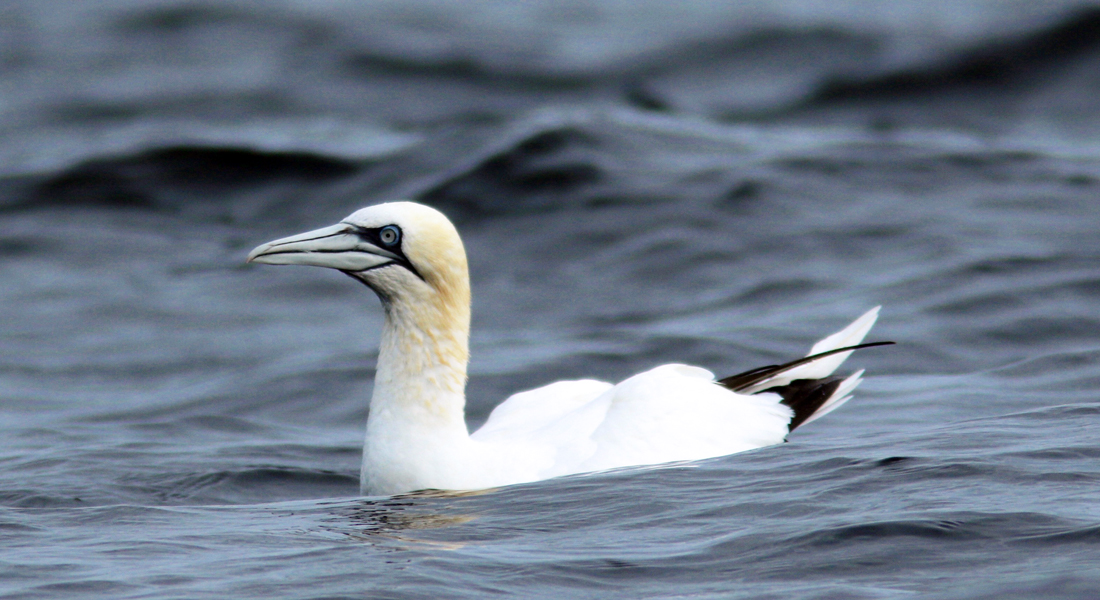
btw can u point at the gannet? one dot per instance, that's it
(412, 257)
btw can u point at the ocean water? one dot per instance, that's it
(713, 183)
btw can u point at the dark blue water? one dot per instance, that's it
(637, 183)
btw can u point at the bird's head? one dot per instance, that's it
(406, 252)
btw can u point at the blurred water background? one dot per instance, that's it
(637, 182)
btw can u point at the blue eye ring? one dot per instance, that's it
(389, 235)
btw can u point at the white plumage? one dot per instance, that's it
(413, 258)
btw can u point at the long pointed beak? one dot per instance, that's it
(335, 247)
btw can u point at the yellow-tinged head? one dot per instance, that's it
(408, 253)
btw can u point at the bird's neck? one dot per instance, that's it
(421, 369)
(417, 425)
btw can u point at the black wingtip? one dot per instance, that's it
(806, 396)
(743, 381)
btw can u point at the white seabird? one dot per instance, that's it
(412, 257)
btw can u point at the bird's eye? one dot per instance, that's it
(390, 235)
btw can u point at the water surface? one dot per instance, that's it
(717, 185)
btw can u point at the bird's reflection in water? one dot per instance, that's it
(383, 521)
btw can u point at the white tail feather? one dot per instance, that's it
(842, 394)
(849, 336)
(819, 369)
